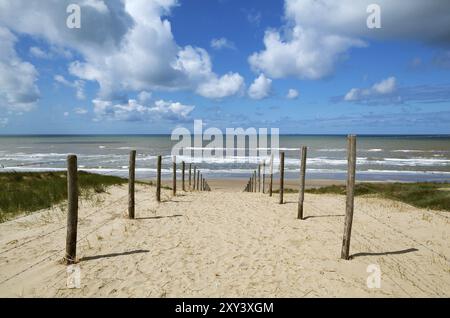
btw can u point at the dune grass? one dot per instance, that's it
(434, 196)
(28, 192)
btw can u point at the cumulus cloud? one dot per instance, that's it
(319, 34)
(222, 43)
(78, 85)
(133, 110)
(292, 94)
(18, 90)
(124, 45)
(227, 85)
(260, 88)
(382, 88)
(302, 53)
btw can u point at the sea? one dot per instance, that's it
(379, 158)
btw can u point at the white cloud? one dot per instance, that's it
(18, 90)
(227, 85)
(384, 87)
(39, 53)
(260, 88)
(66, 114)
(78, 85)
(303, 53)
(222, 43)
(123, 45)
(144, 96)
(319, 34)
(80, 111)
(292, 94)
(401, 19)
(133, 110)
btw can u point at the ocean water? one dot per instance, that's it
(387, 158)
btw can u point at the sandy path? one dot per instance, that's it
(228, 244)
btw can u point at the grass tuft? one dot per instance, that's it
(29, 191)
(434, 196)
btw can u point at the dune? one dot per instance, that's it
(227, 243)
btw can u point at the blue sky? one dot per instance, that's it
(147, 66)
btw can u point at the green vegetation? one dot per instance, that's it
(28, 192)
(435, 196)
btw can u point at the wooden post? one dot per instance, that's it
(131, 182)
(259, 177)
(195, 176)
(282, 178)
(255, 180)
(72, 210)
(301, 196)
(190, 175)
(174, 176)
(198, 180)
(183, 168)
(264, 177)
(271, 176)
(158, 179)
(251, 183)
(345, 253)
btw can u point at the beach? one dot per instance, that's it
(227, 243)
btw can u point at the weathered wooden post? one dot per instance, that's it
(254, 178)
(264, 177)
(198, 180)
(72, 210)
(259, 177)
(251, 183)
(195, 176)
(345, 253)
(301, 196)
(183, 168)
(131, 183)
(174, 176)
(158, 179)
(282, 178)
(190, 175)
(271, 175)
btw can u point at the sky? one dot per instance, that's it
(149, 66)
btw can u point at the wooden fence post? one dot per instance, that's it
(190, 175)
(131, 183)
(282, 178)
(301, 196)
(72, 210)
(158, 179)
(259, 177)
(254, 178)
(271, 175)
(264, 177)
(345, 253)
(198, 180)
(183, 168)
(195, 176)
(174, 177)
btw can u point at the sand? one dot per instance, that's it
(228, 243)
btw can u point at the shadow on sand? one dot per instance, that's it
(90, 258)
